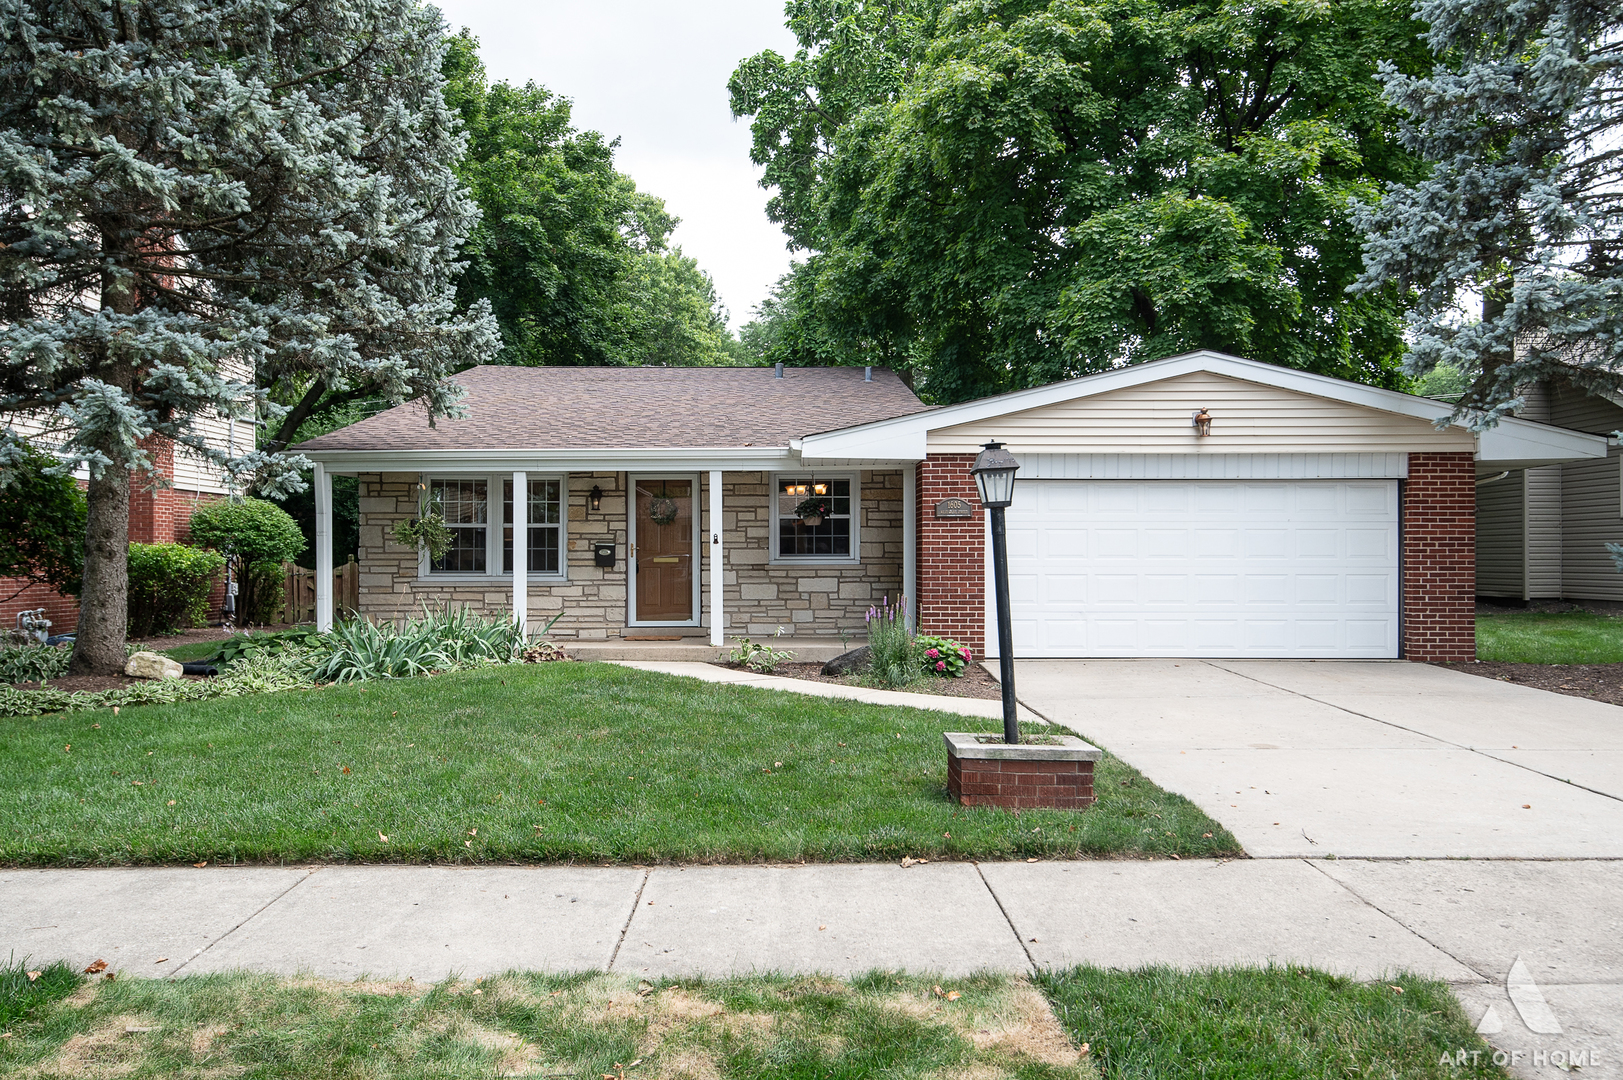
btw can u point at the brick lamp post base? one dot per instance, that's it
(983, 770)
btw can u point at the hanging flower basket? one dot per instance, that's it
(663, 510)
(812, 511)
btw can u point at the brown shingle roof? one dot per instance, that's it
(548, 408)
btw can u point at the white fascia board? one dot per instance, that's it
(868, 442)
(1525, 444)
(675, 459)
(1255, 371)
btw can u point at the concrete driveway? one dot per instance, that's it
(1371, 759)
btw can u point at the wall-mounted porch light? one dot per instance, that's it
(595, 499)
(1202, 422)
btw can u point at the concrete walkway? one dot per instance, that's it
(1367, 759)
(1465, 922)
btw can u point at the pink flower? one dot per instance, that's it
(932, 653)
(964, 653)
(940, 665)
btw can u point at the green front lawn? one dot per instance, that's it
(543, 762)
(1570, 637)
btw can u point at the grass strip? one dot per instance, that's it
(575, 762)
(587, 1026)
(24, 988)
(1263, 1023)
(1568, 637)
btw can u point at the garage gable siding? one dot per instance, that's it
(1154, 418)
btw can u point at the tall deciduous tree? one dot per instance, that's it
(574, 260)
(1523, 115)
(190, 191)
(1003, 194)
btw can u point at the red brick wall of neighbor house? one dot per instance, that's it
(1439, 558)
(952, 554)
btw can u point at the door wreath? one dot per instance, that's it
(663, 510)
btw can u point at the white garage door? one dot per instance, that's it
(1204, 568)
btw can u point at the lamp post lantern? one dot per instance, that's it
(994, 471)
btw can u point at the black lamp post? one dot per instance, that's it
(994, 475)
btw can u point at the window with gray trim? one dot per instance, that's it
(466, 509)
(545, 528)
(833, 536)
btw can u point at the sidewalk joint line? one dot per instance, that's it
(624, 930)
(1415, 731)
(309, 872)
(1035, 970)
(1361, 898)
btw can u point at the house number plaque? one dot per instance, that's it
(954, 508)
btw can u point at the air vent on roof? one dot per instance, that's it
(867, 374)
(778, 371)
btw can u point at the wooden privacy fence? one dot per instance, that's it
(299, 591)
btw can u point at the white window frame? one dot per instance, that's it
(853, 559)
(493, 530)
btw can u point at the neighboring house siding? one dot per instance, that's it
(1246, 418)
(1501, 532)
(1543, 492)
(1439, 558)
(806, 600)
(1593, 517)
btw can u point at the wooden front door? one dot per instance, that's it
(664, 551)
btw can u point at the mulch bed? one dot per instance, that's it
(1598, 682)
(974, 683)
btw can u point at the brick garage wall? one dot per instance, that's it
(593, 599)
(806, 600)
(1439, 558)
(952, 554)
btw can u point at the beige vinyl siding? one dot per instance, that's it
(1154, 418)
(1542, 518)
(1499, 537)
(1593, 516)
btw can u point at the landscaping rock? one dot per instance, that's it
(149, 665)
(849, 663)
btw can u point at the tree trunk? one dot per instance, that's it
(104, 603)
(98, 648)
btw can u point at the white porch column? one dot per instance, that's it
(718, 619)
(521, 551)
(323, 549)
(910, 539)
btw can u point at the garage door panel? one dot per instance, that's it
(1205, 568)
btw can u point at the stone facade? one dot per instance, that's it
(807, 600)
(758, 596)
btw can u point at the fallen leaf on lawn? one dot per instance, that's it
(1527, 806)
(947, 835)
(115, 710)
(110, 976)
(1178, 857)
(1082, 1049)
(478, 991)
(1031, 860)
(777, 764)
(384, 837)
(98, 727)
(5, 1034)
(842, 744)
(953, 995)
(1206, 836)
(1397, 989)
(644, 988)
(138, 783)
(473, 832)
(131, 1029)
(938, 992)
(32, 975)
(99, 965)
(171, 802)
(68, 748)
(540, 802)
(161, 960)
(346, 768)
(200, 865)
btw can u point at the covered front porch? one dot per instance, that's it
(646, 556)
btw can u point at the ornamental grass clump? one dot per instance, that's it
(896, 659)
(439, 641)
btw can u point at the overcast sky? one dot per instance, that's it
(654, 74)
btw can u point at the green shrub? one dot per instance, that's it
(169, 587)
(439, 641)
(31, 663)
(941, 656)
(260, 536)
(42, 523)
(896, 658)
(239, 646)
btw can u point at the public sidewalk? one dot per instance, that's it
(1465, 922)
